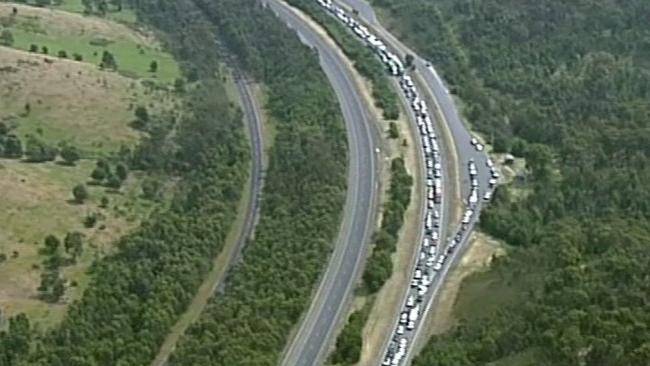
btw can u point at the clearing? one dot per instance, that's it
(87, 37)
(91, 109)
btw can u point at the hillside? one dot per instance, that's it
(53, 106)
(563, 84)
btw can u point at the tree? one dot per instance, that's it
(393, 132)
(77, 57)
(121, 171)
(153, 66)
(108, 61)
(104, 202)
(113, 181)
(73, 244)
(13, 148)
(151, 188)
(70, 154)
(142, 114)
(6, 38)
(38, 151)
(52, 244)
(33, 48)
(62, 54)
(100, 172)
(45, 50)
(80, 193)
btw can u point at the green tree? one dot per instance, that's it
(70, 154)
(73, 244)
(80, 193)
(121, 171)
(108, 61)
(153, 66)
(52, 244)
(6, 38)
(393, 131)
(39, 151)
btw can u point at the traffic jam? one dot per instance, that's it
(431, 257)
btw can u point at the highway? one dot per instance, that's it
(310, 342)
(466, 152)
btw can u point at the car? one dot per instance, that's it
(479, 147)
(437, 174)
(426, 281)
(437, 166)
(429, 182)
(489, 163)
(411, 325)
(442, 258)
(492, 182)
(495, 174)
(423, 255)
(432, 251)
(431, 261)
(473, 141)
(422, 290)
(434, 235)
(474, 182)
(430, 204)
(414, 283)
(410, 301)
(487, 196)
(403, 318)
(418, 274)
(400, 329)
(437, 267)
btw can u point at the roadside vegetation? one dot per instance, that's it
(559, 84)
(379, 266)
(364, 60)
(266, 293)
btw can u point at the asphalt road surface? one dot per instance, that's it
(465, 151)
(311, 342)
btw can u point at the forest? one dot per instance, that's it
(564, 85)
(249, 322)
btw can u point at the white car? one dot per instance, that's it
(414, 282)
(473, 141)
(410, 301)
(422, 290)
(488, 196)
(400, 330)
(410, 325)
(437, 267)
(489, 163)
(474, 183)
(418, 274)
(479, 147)
(492, 182)
(403, 318)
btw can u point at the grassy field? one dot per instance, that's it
(80, 104)
(71, 101)
(88, 36)
(37, 202)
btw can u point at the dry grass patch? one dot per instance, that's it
(69, 101)
(36, 201)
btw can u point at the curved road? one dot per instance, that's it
(310, 343)
(460, 133)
